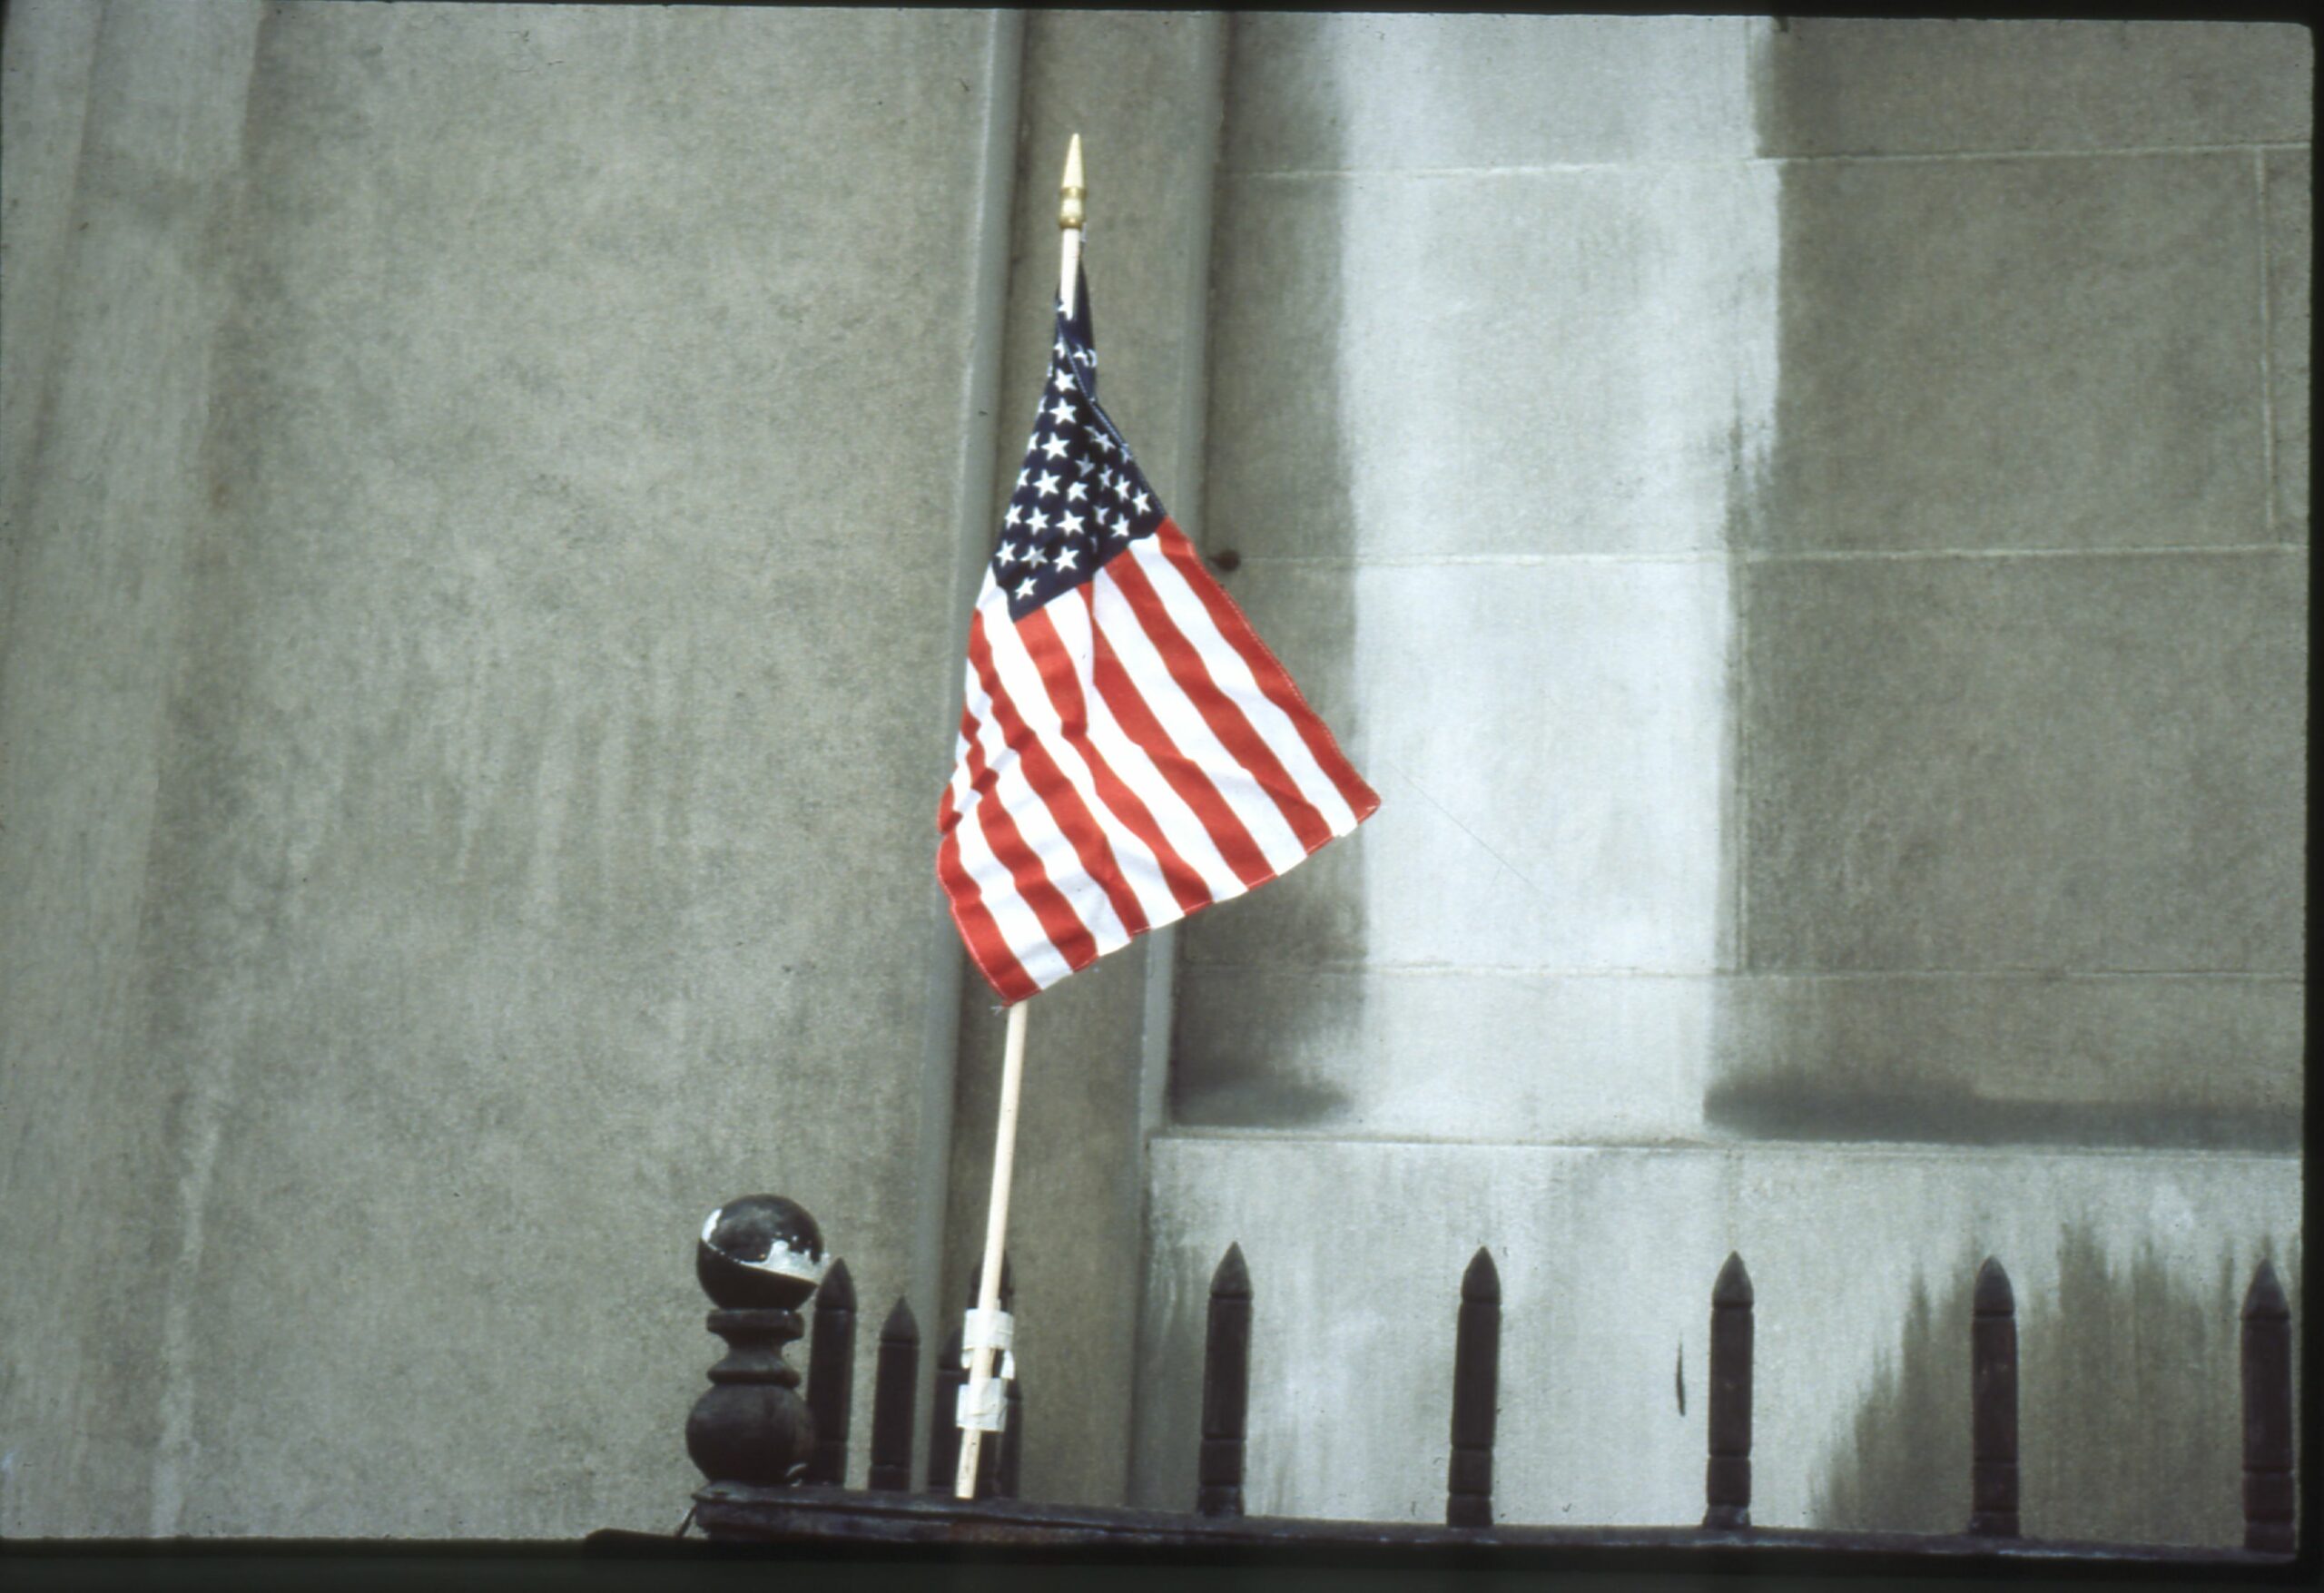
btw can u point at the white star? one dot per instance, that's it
(1121, 487)
(1143, 502)
(1041, 522)
(1061, 350)
(1072, 523)
(1121, 526)
(1065, 560)
(1041, 556)
(1021, 475)
(1010, 553)
(1075, 492)
(1027, 589)
(1017, 512)
(1061, 410)
(1054, 448)
(1102, 440)
(1087, 357)
(1085, 465)
(1048, 485)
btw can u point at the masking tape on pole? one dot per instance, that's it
(979, 1405)
(999, 1330)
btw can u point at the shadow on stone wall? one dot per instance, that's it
(1277, 274)
(2128, 1407)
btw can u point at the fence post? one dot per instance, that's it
(1226, 1387)
(892, 1388)
(1012, 1443)
(1476, 1385)
(1993, 1405)
(1727, 1479)
(831, 1375)
(758, 1259)
(943, 1433)
(2266, 1415)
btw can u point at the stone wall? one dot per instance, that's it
(1797, 519)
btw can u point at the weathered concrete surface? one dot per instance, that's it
(1846, 86)
(1488, 396)
(1077, 1215)
(109, 374)
(473, 716)
(2129, 1272)
(2118, 738)
(2022, 353)
(1810, 550)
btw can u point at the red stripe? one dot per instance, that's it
(1073, 816)
(1185, 776)
(1275, 681)
(1245, 744)
(1047, 650)
(988, 946)
(1059, 922)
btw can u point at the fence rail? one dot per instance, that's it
(780, 1480)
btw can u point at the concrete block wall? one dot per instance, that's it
(1810, 544)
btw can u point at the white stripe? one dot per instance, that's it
(1038, 827)
(1020, 677)
(1233, 677)
(1018, 923)
(1183, 829)
(1184, 725)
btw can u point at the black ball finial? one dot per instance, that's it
(759, 1252)
(758, 1259)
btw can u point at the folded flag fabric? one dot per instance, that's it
(1129, 750)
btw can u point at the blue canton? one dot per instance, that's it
(1081, 498)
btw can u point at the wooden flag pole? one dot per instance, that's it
(978, 1394)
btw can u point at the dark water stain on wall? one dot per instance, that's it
(2129, 1406)
(1277, 523)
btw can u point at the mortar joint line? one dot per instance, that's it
(1948, 1151)
(1714, 163)
(1905, 555)
(1335, 561)
(1724, 975)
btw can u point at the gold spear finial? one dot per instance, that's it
(1071, 192)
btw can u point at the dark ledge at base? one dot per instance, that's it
(735, 1516)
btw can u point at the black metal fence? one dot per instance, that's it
(798, 1492)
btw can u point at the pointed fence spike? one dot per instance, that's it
(1994, 1296)
(2268, 1506)
(1727, 1476)
(1232, 1276)
(2265, 1297)
(1476, 1388)
(831, 1375)
(1993, 1405)
(1226, 1387)
(893, 1389)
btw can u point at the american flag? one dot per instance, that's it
(1129, 750)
